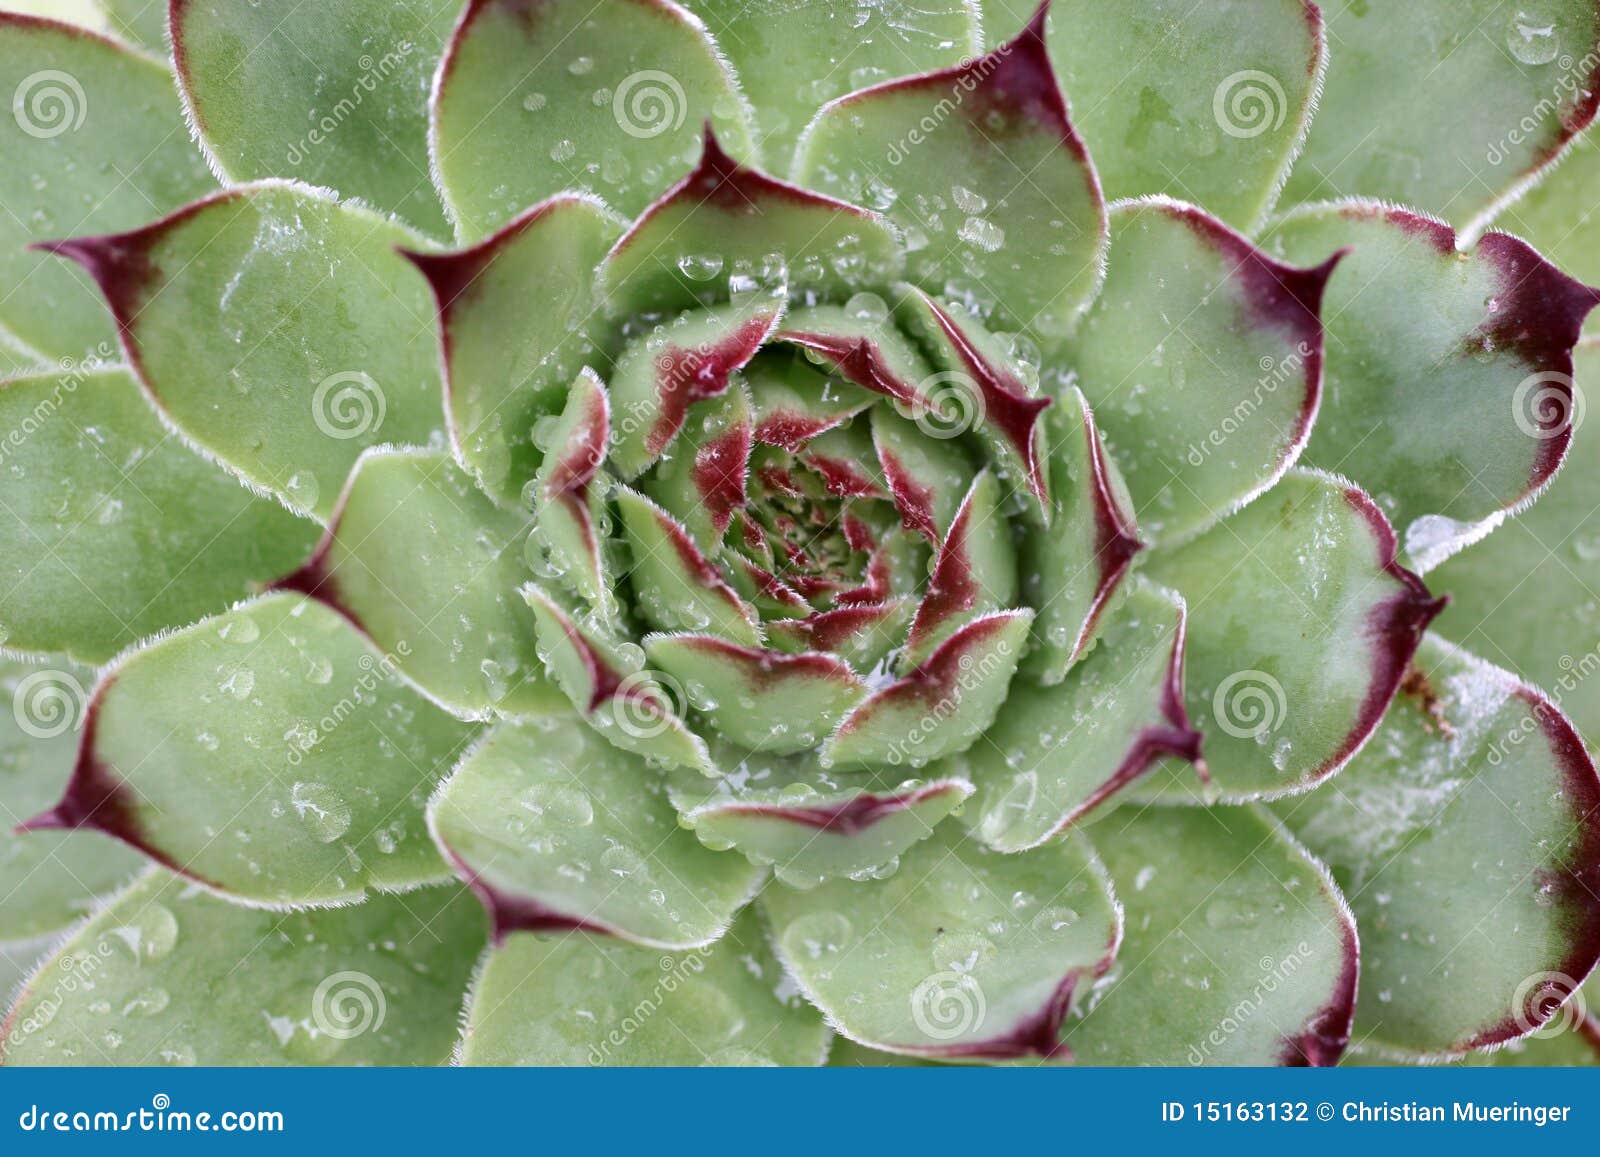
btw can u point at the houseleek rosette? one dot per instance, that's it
(896, 595)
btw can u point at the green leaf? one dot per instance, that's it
(570, 506)
(167, 975)
(268, 753)
(962, 953)
(794, 58)
(112, 529)
(794, 400)
(760, 700)
(706, 480)
(1055, 753)
(1303, 626)
(984, 392)
(974, 572)
(1557, 215)
(1072, 567)
(278, 329)
(1449, 376)
(1203, 360)
(47, 879)
(927, 477)
(1209, 103)
(1525, 596)
(810, 825)
(583, 1000)
(725, 225)
(604, 678)
(987, 178)
(141, 22)
(1240, 948)
(606, 97)
(1491, 94)
(675, 587)
(334, 96)
(427, 568)
(518, 321)
(861, 634)
(557, 829)
(940, 707)
(1477, 780)
(79, 96)
(664, 372)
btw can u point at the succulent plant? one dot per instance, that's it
(634, 532)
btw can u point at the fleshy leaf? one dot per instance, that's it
(47, 879)
(1479, 780)
(141, 22)
(1303, 627)
(618, 698)
(1072, 567)
(1193, 313)
(759, 700)
(569, 502)
(794, 58)
(988, 396)
(1209, 103)
(1449, 376)
(974, 572)
(1557, 216)
(537, 96)
(555, 829)
(927, 477)
(1525, 596)
(441, 594)
(1227, 909)
(705, 481)
(334, 96)
(809, 825)
(167, 975)
(674, 585)
(112, 529)
(987, 177)
(663, 373)
(794, 401)
(268, 753)
(76, 95)
(278, 329)
(862, 635)
(858, 343)
(725, 223)
(1492, 93)
(962, 953)
(575, 1000)
(939, 707)
(518, 321)
(1054, 754)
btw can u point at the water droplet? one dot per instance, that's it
(568, 806)
(151, 935)
(147, 1003)
(1532, 38)
(700, 266)
(238, 682)
(817, 934)
(321, 809)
